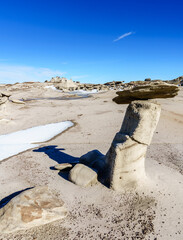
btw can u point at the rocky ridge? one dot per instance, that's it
(62, 83)
(65, 85)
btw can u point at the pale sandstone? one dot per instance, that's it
(140, 120)
(83, 176)
(3, 100)
(126, 156)
(33, 207)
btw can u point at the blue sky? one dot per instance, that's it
(90, 41)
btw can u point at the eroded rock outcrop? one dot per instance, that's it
(145, 92)
(123, 165)
(33, 207)
(64, 83)
(126, 156)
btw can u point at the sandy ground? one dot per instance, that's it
(153, 211)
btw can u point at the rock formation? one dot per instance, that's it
(177, 81)
(123, 165)
(4, 97)
(145, 92)
(33, 207)
(82, 175)
(126, 156)
(64, 83)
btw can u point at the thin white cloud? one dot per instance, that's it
(123, 36)
(13, 73)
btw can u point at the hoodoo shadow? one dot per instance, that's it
(95, 161)
(58, 156)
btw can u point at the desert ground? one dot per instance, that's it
(151, 211)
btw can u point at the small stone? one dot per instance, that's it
(17, 101)
(62, 166)
(82, 175)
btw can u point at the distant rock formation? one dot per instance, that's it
(33, 207)
(126, 156)
(4, 97)
(58, 79)
(147, 91)
(64, 84)
(114, 85)
(176, 81)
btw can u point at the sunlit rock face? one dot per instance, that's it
(33, 207)
(126, 156)
(83, 176)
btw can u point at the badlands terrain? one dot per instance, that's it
(152, 210)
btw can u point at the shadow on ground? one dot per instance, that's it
(6, 200)
(93, 159)
(58, 156)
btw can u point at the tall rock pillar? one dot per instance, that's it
(126, 157)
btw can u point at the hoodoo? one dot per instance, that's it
(126, 156)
